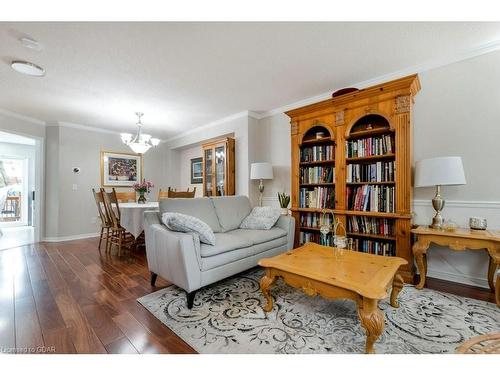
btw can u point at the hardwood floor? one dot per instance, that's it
(67, 298)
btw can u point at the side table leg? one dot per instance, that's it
(372, 320)
(419, 252)
(265, 283)
(397, 285)
(492, 267)
(497, 290)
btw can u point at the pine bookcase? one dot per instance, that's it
(351, 157)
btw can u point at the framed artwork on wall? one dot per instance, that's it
(197, 171)
(120, 169)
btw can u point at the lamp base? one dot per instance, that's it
(438, 204)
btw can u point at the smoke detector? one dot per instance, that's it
(31, 44)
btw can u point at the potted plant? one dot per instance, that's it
(284, 202)
(143, 188)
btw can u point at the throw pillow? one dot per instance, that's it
(261, 218)
(185, 223)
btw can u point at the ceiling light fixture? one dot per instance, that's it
(141, 142)
(28, 68)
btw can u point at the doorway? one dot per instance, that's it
(19, 183)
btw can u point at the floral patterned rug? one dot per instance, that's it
(227, 317)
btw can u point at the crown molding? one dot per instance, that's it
(65, 124)
(22, 117)
(418, 68)
(215, 123)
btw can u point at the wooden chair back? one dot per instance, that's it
(101, 209)
(112, 207)
(171, 193)
(125, 196)
(162, 194)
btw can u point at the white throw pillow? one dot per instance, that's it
(261, 218)
(184, 223)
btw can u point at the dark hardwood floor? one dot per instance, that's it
(67, 298)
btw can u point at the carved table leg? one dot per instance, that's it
(265, 283)
(372, 320)
(492, 267)
(397, 285)
(419, 250)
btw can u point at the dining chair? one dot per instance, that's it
(119, 235)
(125, 196)
(105, 219)
(172, 193)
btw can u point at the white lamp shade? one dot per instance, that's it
(439, 171)
(261, 171)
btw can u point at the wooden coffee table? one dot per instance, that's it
(363, 278)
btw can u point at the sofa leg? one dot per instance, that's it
(190, 299)
(153, 278)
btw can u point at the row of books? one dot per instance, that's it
(319, 197)
(317, 175)
(370, 225)
(316, 237)
(375, 198)
(370, 146)
(317, 153)
(315, 219)
(375, 172)
(374, 247)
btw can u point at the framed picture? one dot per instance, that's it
(120, 169)
(197, 171)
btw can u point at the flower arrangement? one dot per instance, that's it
(143, 187)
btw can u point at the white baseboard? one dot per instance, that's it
(70, 238)
(458, 278)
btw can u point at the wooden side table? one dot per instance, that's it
(459, 240)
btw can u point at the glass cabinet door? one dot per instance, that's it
(220, 169)
(207, 182)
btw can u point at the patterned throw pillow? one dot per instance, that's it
(185, 223)
(261, 218)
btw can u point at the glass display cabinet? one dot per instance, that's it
(218, 168)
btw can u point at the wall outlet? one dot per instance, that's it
(75, 187)
(93, 220)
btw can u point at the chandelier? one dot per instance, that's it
(141, 142)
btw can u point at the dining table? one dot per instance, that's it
(132, 216)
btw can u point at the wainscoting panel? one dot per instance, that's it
(466, 267)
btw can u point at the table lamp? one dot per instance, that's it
(437, 172)
(261, 171)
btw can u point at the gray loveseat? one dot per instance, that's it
(180, 257)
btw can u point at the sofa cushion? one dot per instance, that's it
(239, 254)
(185, 223)
(259, 236)
(201, 208)
(261, 218)
(224, 242)
(231, 210)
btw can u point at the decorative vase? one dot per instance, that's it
(284, 211)
(142, 198)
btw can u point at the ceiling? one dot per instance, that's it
(184, 75)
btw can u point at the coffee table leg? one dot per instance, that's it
(265, 283)
(492, 267)
(372, 320)
(397, 285)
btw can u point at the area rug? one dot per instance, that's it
(227, 317)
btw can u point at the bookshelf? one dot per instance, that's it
(351, 158)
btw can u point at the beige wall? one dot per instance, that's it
(72, 212)
(185, 156)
